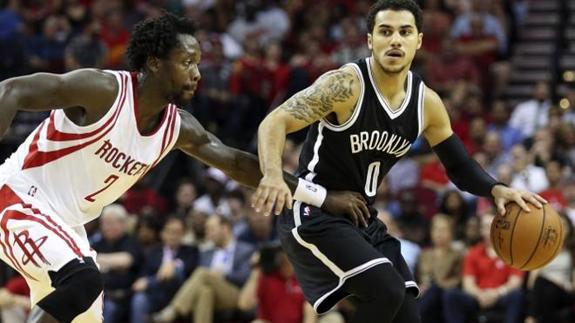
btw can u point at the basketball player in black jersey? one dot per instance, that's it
(364, 117)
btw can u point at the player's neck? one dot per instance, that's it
(389, 84)
(150, 101)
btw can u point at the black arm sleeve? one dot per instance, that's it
(463, 170)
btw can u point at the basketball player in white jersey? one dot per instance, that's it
(107, 129)
(364, 117)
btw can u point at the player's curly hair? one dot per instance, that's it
(409, 5)
(156, 37)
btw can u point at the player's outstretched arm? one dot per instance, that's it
(463, 170)
(90, 90)
(334, 93)
(243, 167)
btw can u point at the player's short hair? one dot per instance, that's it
(156, 37)
(396, 5)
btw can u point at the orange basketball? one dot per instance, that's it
(527, 240)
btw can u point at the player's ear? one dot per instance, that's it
(420, 40)
(153, 64)
(369, 42)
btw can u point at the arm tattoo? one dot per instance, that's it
(316, 101)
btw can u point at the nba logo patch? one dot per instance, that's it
(306, 211)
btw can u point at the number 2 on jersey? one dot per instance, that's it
(371, 178)
(110, 180)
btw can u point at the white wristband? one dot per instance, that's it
(310, 193)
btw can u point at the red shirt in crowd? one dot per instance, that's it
(17, 285)
(280, 300)
(555, 197)
(489, 272)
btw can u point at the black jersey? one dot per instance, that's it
(357, 154)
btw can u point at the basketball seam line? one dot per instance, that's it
(559, 245)
(538, 240)
(511, 237)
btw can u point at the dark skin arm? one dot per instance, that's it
(86, 95)
(244, 168)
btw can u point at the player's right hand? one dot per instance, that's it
(271, 191)
(349, 204)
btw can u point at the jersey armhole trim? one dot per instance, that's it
(420, 107)
(356, 111)
(122, 85)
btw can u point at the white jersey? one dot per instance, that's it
(77, 170)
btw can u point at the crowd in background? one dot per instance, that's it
(184, 242)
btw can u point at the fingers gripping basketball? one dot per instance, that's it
(527, 240)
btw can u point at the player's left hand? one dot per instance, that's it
(271, 191)
(503, 195)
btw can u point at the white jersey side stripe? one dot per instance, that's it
(313, 163)
(37, 157)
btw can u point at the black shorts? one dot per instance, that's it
(326, 250)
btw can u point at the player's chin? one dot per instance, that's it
(183, 98)
(392, 69)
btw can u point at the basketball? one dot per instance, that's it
(527, 240)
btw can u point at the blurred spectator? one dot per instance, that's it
(488, 283)
(509, 136)
(11, 22)
(278, 72)
(77, 13)
(214, 96)
(260, 229)
(438, 268)
(46, 51)
(273, 291)
(480, 47)
(495, 154)
(566, 142)
(290, 158)
(214, 200)
(454, 206)
(15, 300)
(542, 148)
(530, 115)
(472, 232)
(115, 35)
(353, 45)
(436, 24)
(569, 192)
(477, 132)
(119, 258)
(409, 250)
(165, 269)
(239, 210)
(553, 290)
(384, 200)
(479, 22)
(404, 175)
(147, 232)
(196, 235)
(12, 57)
(141, 199)
(448, 68)
(526, 175)
(554, 193)
(215, 285)
(410, 221)
(433, 175)
(186, 194)
(86, 49)
(250, 84)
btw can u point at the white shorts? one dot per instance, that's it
(34, 241)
